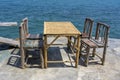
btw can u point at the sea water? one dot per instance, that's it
(38, 11)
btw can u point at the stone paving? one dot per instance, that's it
(10, 66)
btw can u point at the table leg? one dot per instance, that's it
(77, 52)
(45, 51)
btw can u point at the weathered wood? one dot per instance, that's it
(25, 21)
(28, 35)
(59, 29)
(21, 46)
(85, 35)
(89, 42)
(77, 51)
(45, 51)
(87, 56)
(35, 36)
(26, 44)
(8, 23)
(87, 31)
(9, 41)
(100, 41)
(42, 58)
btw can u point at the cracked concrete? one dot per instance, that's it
(10, 70)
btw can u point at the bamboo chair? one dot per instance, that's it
(100, 41)
(26, 45)
(28, 35)
(87, 31)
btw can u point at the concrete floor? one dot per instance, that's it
(10, 66)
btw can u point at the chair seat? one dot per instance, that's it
(92, 43)
(88, 42)
(97, 42)
(35, 36)
(33, 44)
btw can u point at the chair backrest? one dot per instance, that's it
(88, 24)
(25, 21)
(102, 32)
(22, 42)
(22, 35)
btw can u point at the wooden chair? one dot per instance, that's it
(28, 35)
(26, 45)
(87, 31)
(100, 41)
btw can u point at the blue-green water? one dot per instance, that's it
(38, 11)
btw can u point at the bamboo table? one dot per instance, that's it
(59, 29)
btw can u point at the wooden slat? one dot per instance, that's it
(34, 36)
(53, 41)
(88, 42)
(25, 21)
(87, 31)
(98, 43)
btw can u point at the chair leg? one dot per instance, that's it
(25, 54)
(80, 50)
(69, 44)
(22, 58)
(94, 51)
(104, 54)
(87, 56)
(42, 59)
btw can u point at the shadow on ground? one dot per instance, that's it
(5, 47)
(54, 54)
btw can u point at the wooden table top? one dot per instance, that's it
(60, 28)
